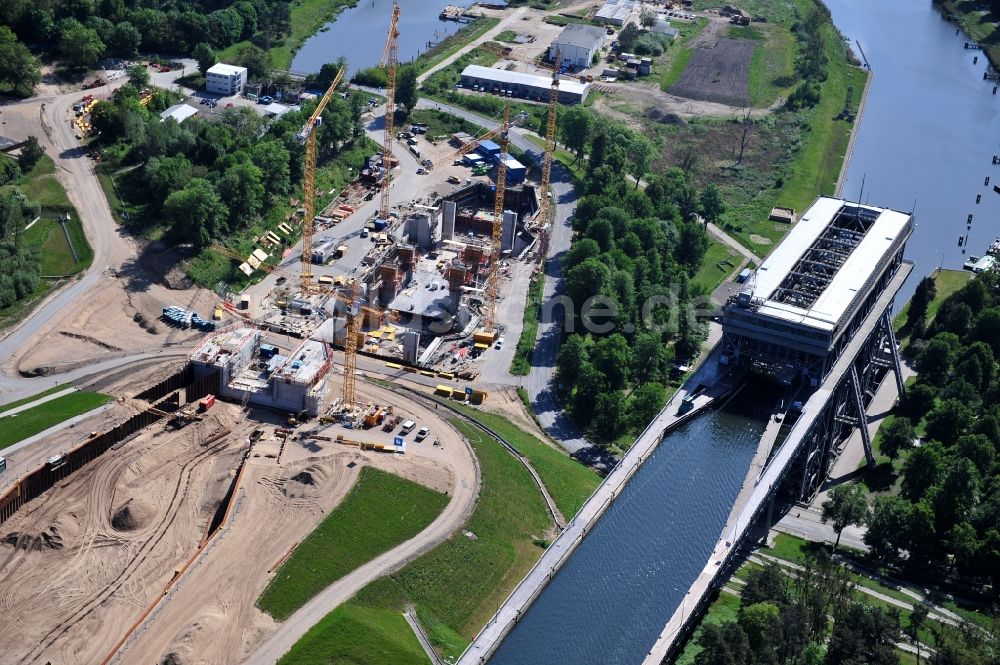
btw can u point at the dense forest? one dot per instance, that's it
(206, 179)
(79, 33)
(816, 616)
(627, 278)
(945, 516)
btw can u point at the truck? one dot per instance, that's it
(407, 427)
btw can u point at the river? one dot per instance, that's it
(929, 131)
(359, 33)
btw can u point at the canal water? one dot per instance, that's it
(359, 34)
(609, 602)
(929, 131)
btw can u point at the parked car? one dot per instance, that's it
(422, 433)
(229, 105)
(266, 99)
(499, 344)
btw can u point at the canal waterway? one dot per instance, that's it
(359, 33)
(609, 602)
(929, 131)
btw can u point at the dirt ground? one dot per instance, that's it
(80, 564)
(718, 72)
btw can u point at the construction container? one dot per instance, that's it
(478, 396)
(444, 390)
(484, 336)
(207, 402)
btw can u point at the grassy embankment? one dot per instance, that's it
(381, 511)
(452, 43)
(719, 263)
(521, 364)
(20, 426)
(568, 481)
(791, 156)
(41, 186)
(307, 17)
(27, 400)
(455, 587)
(948, 282)
(978, 23)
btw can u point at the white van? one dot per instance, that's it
(407, 427)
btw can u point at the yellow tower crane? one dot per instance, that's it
(308, 136)
(389, 61)
(493, 279)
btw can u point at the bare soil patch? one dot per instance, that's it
(718, 72)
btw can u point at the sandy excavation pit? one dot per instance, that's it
(79, 565)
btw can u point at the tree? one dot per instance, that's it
(612, 356)
(80, 46)
(572, 357)
(165, 175)
(31, 152)
(919, 400)
(196, 213)
(897, 437)
(958, 495)
(124, 40)
(9, 170)
(256, 60)
(723, 644)
(406, 88)
(645, 403)
(640, 152)
(761, 622)
(712, 205)
(887, 526)
(746, 127)
(242, 191)
(580, 251)
(647, 18)
(590, 386)
(864, 635)
(205, 56)
(947, 421)
(18, 67)
(935, 361)
(138, 76)
(586, 280)
(986, 328)
(651, 357)
(922, 297)
(609, 417)
(918, 617)
(576, 125)
(766, 585)
(226, 26)
(922, 470)
(844, 506)
(272, 157)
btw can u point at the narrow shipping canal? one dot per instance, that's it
(610, 601)
(358, 33)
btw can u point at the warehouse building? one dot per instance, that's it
(526, 86)
(577, 45)
(616, 12)
(223, 79)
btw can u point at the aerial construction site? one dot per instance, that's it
(147, 531)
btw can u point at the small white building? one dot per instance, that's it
(577, 44)
(223, 79)
(179, 112)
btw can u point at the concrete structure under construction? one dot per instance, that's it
(253, 372)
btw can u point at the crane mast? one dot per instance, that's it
(493, 280)
(308, 135)
(550, 144)
(389, 61)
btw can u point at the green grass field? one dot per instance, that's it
(347, 634)
(20, 426)
(719, 262)
(26, 400)
(568, 481)
(521, 363)
(380, 512)
(771, 67)
(456, 586)
(454, 42)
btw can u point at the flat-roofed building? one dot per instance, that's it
(527, 86)
(801, 308)
(223, 79)
(577, 45)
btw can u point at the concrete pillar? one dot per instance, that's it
(411, 347)
(448, 220)
(509, 227)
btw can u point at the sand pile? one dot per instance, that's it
(306, 483)
(135, 514)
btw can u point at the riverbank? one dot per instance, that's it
(307, 18)
(977, 23)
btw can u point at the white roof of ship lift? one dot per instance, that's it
(831, 305)
(507, 76)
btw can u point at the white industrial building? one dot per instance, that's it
(257, 373)
(223, 79)
(179, 112)
(527, 86)
(577, 45)
(616, 12)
